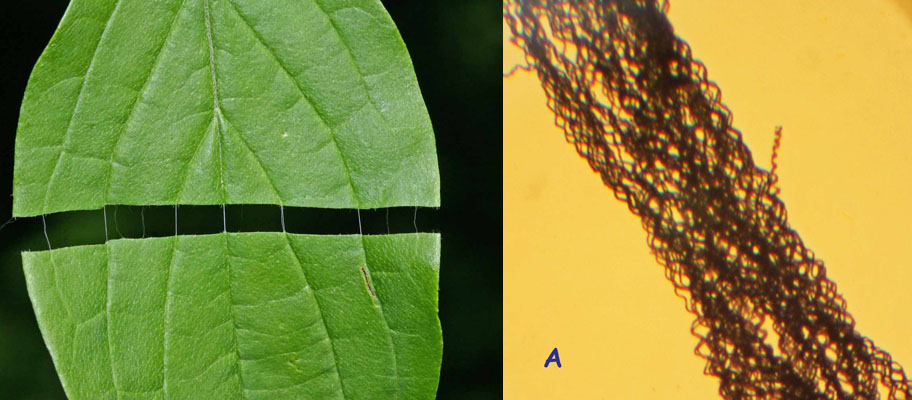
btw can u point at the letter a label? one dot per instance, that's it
(553, 358)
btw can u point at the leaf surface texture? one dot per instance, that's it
(242, 316)
(300, 103)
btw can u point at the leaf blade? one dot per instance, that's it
(317, 106)
(249, 315)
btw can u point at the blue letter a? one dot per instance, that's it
(553, 358)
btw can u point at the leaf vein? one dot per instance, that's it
(259, 161)
(186, 170)
(216, 109)
(297, 85)
(107, 312)
(69, 127)
(332, 346)
(122, 132)
(237, 351)
(385, 322)
(351, 54)
(165, 309)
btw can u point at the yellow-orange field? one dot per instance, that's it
(578, 275)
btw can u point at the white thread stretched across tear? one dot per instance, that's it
(104, 211)
(10, 221)
(44, 224)
(359, 222)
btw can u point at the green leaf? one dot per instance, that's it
(299, 103)
(248, 315)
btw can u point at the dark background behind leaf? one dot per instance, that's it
(454, 47)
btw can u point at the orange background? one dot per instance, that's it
(837, 75)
